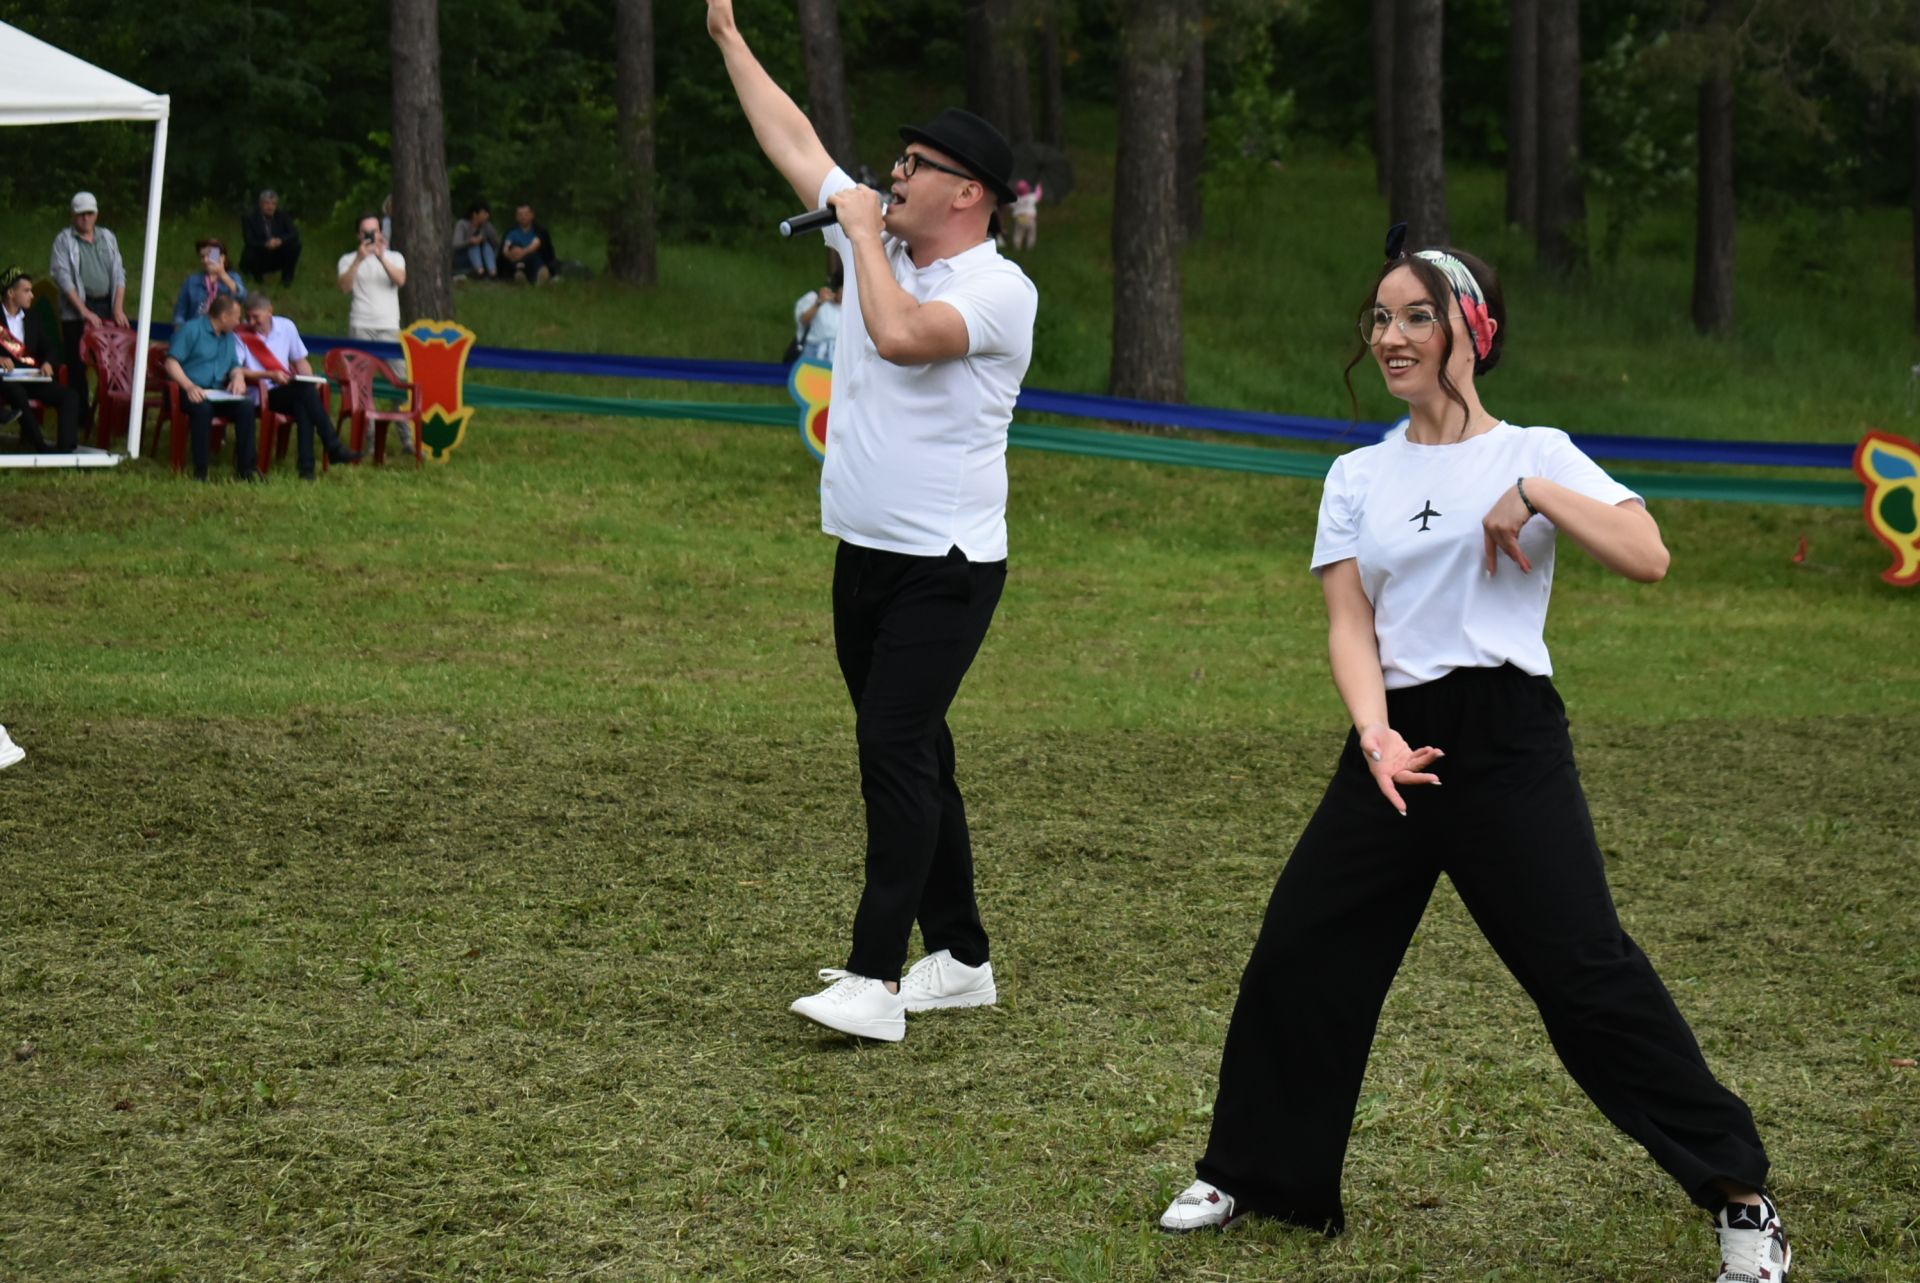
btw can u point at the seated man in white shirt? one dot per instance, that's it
(271, 352)
(935, 335)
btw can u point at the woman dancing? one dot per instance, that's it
(1435, 553)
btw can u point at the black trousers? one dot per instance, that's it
(301, 403)
(906, 630)
(66, 404)
(243, 417)
(1511, 829)
(257, 260)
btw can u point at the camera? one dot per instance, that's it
(366, 238)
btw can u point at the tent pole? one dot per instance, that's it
(148, 256)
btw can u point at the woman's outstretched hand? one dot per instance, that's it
(1394, 764)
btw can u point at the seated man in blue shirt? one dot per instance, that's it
(204, 361)
(528, 254)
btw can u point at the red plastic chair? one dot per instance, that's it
(276, 429)
(178, 434)
(109, 350)
(354, 371)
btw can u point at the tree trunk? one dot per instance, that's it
(1191, 180)
(1563, 199)
(1148, 349)
(1916, 209)
(828, 103)
(1016, 76)
(1713, 247)
(1053, 81)
(1523, 115)
(1380, 34)
(1419, 195)
(631, 246)
(983, 75)
(422, 206)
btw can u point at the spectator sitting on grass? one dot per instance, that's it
(529, 250)
(212, 280)
(272, 242)
(476, 244)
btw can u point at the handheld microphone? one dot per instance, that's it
(818, 220)
(814, 220)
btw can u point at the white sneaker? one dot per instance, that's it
(857, 1005)
(937, 980)
(1201, 1207)
(1753, 1246)
(10, 752)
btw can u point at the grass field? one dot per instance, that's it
(410, 871)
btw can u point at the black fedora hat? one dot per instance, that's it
(972, 141)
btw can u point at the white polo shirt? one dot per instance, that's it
(282, 339)
(917, 454)
(1410, 516)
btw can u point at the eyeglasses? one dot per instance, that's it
(1416, 322)
(908, 161)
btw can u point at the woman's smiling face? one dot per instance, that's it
(1411, 366)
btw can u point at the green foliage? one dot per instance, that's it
(1639, 130)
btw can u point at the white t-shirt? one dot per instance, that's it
(917, 454)
(818, 337)
(1410, 515)
(376, 299)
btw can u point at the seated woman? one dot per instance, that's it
(476, 244)
(212, 280)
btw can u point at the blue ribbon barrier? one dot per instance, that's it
(1765, 454)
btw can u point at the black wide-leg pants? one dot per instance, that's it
(1509, 826)
(906, 630)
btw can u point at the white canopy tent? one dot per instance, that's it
(47, 86)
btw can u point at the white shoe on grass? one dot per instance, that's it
(939, 980)
(857, 1005)
(1199, 1207)
(10, 752)
(1753, 1246)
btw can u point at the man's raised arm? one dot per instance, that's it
(781, 128)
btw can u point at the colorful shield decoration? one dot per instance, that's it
(810, 384)
(437, 368)
(1890, 468)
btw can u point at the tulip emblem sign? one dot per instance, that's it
(1890, 467)
(811, 387)
(437, 368)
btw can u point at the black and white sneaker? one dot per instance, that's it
(1753, 1246)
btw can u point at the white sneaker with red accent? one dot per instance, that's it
(10, 752)
(1753, 1246)
(1200, 1207)
(939, 980)
(857, 1005)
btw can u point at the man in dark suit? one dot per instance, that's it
(272, 241)
(23, 349)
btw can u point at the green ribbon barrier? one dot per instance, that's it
(1177, 451)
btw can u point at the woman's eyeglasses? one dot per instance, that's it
(1416, 322)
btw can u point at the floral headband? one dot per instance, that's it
(1473, 300)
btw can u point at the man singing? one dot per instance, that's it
(936, 334)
